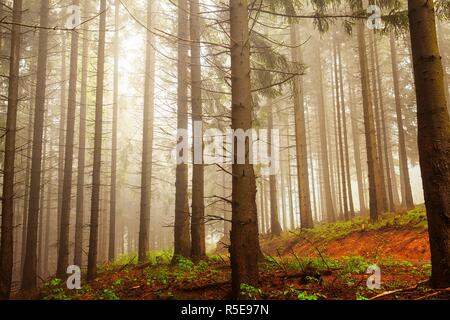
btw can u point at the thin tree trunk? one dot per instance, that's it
(289, 173)
(344, 131)
(7, 228)
(182, 236)
(96, 170)
(244, 232)
(375, 185)
(433, 135)
(275, 227)
(64, 229)
(147, 141)
(29, 271)
(79, 219)
(198, 247)
(407, 201)
(300, 137)
(113, 181)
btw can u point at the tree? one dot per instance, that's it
(147, 140)
(300, 137)
(198, 246)
(433, 135)
(6, 241)
(182, 238)
(95, 198)
(63, 245)
(375, 196)
(112, 193)
(404, 172)
(79, 217)
(244, 230)
(29, 269)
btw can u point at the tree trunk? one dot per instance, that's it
(78, 254)
(433, 135)
(147, 141)
(29, 270)
(182, 236)
(300, 137)
(113, 181)
(7, 228)
(96, 171)
(375, 198)
(64, 229)
(275, 227)
(198, 248)
(404, 172)
(244, 231)
(289, 173)
(339, 107)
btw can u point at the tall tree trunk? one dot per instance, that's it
(383, 128)
(244, 230)
(47, 217)
(345, 133)
(113, 181)
(378, 130)
(198, 248)
(64, 229)
(182, 236)
(275, 227)
(62, 130)
(300, 136)
(325, 167)
(357, 152)
(7, 228)
(96, 170)
(289, 173)
(339, 107)
(375, 185)
(433, 135)
(446, 76)
(147, 141)
(404, 172)
(79, 219)
(29, 270)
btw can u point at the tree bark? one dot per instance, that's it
(198, 247)
(147, 140)
(375, 198)
(404, 172)
(7, 228)
(300, 137)
(96, 170)
(64, 229)
(182, 236)
(79, 219)
(433, 135)
(29, 271)
(244, 231)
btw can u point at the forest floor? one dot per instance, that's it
(327, 262)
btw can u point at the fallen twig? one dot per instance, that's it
(388, 293)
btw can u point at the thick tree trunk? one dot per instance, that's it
(404, 172)
(433, 135)
(64, 229)
(198, 248)
(182, 237)
(300, 137)
(244, 231)
(96, 170)
(375, 185)
(29, 270)
(147, 141)
(7, 228)
(79, 219)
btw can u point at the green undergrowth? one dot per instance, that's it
(415, 218)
